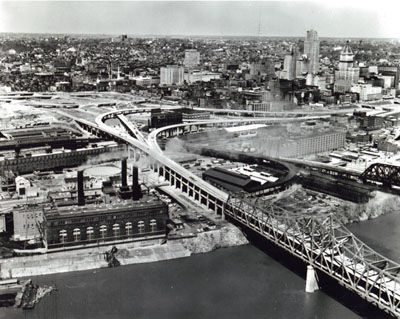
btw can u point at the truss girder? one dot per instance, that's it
(382, 173)
(324, 243)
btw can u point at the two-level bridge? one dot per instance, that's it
(321, 242)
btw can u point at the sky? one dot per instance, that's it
(331, 18)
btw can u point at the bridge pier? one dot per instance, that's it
(311, 279)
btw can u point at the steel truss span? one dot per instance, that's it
(320, 241)
(327, 245)
(388, 175)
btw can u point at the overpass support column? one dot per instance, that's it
(311, 279)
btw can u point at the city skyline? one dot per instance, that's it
(212, 18)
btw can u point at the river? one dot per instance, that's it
(238, 282)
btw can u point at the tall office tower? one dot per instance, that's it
(311, 50)
(171, 75)
(192, 58)
(347, 71)
(290, 64)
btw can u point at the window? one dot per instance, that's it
(128, 228)
(116, 230)
(90, 233)
(141, 227)
(77, 234)
(153, 225)
(103, 231)
(63, 235)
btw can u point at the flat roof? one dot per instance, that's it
(234, 180)
(99, 209)
(244, 128)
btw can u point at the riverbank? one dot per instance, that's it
(302, 201)
(380, 204)
(128, 253)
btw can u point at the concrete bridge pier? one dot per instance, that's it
(311, 279)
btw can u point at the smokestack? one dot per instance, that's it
(81, 194)
(136, 191)
(123, 173)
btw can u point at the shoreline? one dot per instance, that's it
(153, 250)
(128, 253)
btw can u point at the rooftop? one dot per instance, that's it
(244, 128)
(98, 209)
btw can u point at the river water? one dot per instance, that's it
(239, 282)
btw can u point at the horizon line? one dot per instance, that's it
(192, 35)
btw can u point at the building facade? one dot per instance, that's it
(290, 64)
(171, 75)
(347, 71)
(57, 159)
(66, 226)
(367, 92)
(28, 222)
(200, 76)
(311, 50)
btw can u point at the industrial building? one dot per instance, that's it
(28, 221)
(125, 219)
(264, 178)
(304, 145)
(228, 180)
(130, 215)
(57, 159)
(91, 216)
(43, 136)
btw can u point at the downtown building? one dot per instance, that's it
(296, 65)
(200, 76)
(311, 51)
(172, 75)
(348, 74)
(290, 65)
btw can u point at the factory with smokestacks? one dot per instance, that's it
(89, 214)
(122, 213)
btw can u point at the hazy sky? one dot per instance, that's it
(337, 18)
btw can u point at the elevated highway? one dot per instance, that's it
(321, 242)
(299, 113)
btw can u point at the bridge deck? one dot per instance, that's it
(319, 241)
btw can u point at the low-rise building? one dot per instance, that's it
(367, 92)
(200, 76)
(28, 222)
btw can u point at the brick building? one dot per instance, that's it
(75, 225)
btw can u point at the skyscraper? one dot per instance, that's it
(347, 71)
(311, 50)
(290, 64)
(347, 75)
